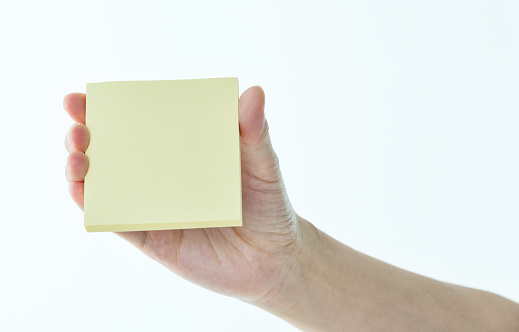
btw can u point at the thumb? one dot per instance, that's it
(258, 159)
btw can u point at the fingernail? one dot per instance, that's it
(67, 173)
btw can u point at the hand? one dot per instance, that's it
(248, 262)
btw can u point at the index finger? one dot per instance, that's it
(75, 104)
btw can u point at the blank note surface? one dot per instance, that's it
(163, 155)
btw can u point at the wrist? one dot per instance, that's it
(295, 297)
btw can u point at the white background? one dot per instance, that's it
(395, 123)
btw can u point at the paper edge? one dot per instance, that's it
(162, 226)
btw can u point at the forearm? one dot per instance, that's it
(331, 287)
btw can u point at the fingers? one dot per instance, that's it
(75, 105)
(76, 142)
(251, 114)
(77, 166)
(76, 189)
(77, 138)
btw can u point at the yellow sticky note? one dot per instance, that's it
(163, 155)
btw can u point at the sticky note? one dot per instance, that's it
(162, 155)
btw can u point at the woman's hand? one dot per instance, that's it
(248, 262)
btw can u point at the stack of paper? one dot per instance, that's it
(163, 155)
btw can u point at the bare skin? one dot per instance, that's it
(280, 262)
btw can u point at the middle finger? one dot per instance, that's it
(77, 138)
